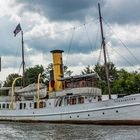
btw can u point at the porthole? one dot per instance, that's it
(103, 113)
(77, 116)
(88, 114)
(117, 111)
(70, 116)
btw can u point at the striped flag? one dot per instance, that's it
(17, 30)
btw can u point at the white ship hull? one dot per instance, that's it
(124, 110)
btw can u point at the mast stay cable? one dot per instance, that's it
(123, 44)
(70, 45)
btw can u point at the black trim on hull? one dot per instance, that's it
(91, 122)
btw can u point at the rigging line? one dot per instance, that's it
(99, 57)
(122, 42)
(107, 53)
(18, 48)
(20, 67)
(121, 56)
(97, 37)
(90, 44)
(18, 71)
(59, 32)
(15, 61)
(70, 44)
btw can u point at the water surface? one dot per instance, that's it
(45, 131)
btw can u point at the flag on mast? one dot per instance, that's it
(17, 30)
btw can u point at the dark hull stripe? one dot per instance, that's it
(97, 122)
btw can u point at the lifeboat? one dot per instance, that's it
(31, 91)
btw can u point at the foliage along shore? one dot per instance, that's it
(122, 81)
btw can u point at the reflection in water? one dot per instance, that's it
(45, 131)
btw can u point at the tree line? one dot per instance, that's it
(121, 81)
(31, 75)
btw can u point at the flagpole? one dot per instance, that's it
(23, 62)
(0, 63)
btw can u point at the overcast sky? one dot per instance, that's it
(72, 26)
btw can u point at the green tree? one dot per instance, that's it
(31, 74)
(87, 70)
(113, 72)
(67, 72)
(113, 75)
(10, 78)
(127, 83)
(100, 70)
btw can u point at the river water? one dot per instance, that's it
(45, 131)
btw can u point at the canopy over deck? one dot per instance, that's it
(80, 77)
(30, 88)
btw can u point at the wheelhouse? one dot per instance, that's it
(88, 80)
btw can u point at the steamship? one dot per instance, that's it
(73, 99)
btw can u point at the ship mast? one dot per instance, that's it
(104, 52)
(23, 62)
(16, 31)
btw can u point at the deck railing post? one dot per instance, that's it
(38, 91)
(12, 96)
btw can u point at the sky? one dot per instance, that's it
(72, 26)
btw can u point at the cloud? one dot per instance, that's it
(122, 11)
(49, 24)
(124, 36)
(8, 42)
(47, 37)
(60, 10)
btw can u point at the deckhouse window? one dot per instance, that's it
(80, 100)
(99, 98)
(24, 105)
(82, 83)
(3, 106)
(0, 106)
(20, 106)
(41, 104)
(7, 106)
(71, 101)
(78, 81)
(35, 105)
